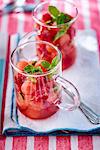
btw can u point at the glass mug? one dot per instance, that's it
(42, 94)
(48, 31)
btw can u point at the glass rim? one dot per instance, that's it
(36, 75)
(54, 26)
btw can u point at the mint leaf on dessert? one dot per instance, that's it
(45, 64)
(54, 11)
(36, 69)
(61, 19)
(28, 69)
(54, 62)
(59, 34)
(68, 18)
(31, 69)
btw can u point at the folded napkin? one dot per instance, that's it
(85, 74)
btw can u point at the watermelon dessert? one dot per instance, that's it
(57, 28)
(36, 90)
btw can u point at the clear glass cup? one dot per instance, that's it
(42, 94)
(48, 31)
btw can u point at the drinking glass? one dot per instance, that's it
(48, 31)
(41, 95)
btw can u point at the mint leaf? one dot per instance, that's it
(61, 19)
(45, 64)
(36, 70)
(67, 18)
(54, 62)
(28, 69)
(54, 11)
(31, 69)
(59, 34)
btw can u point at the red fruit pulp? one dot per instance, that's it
(21, 65)
(46, 17)
(36, 99)
(63, 43)
(39, 111)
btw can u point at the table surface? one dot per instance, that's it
(89, 18)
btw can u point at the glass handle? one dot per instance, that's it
(72, 100)
(70, 95)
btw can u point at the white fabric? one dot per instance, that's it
(85, 74)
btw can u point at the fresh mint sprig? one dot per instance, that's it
(61, 19)
(54, 11)
(61, 32)
(45, 64)
(28, 69)
(54, 62)
(49, 66)
(31, 69)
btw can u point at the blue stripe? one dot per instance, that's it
(1, 76)
(12, 101)
(17, 121)
(24, 131)
(18, 38)
(2, 64)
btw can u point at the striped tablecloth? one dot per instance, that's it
(89, 17)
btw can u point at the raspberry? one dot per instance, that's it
(46, 17)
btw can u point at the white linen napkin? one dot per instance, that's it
(85, 74)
